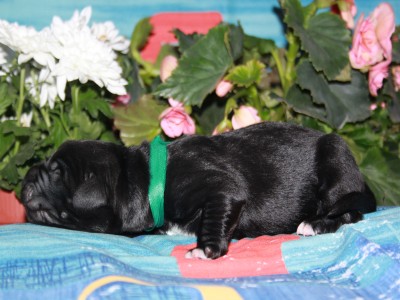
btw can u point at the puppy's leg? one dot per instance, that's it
(219, 220)
(343, 195)
(346, 210)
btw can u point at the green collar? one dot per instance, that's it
(158, 170)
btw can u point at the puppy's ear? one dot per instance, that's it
(90, 195)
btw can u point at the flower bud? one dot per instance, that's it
(223, 88)
(245, 116)
(168, 64)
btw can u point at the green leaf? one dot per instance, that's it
(57, 134)
(86, 129)
(24, 154)
(139, 121)
(325, 38)
(5, 100)
(382, 173)
(7, 141)
(200, 68)
(11, 126)
(210, 114)
(13, 170)
(236, 40)
(94, 105)
(136, 87)
(363, 136)
(10, 173)
(140, 34)
(186, 40)
(302, 102)
(109, 136)
(263, 46)
(343, 102)
(246, 75)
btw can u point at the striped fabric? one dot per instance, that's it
(359, 261)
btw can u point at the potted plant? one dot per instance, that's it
(55, 84)
(226, 79)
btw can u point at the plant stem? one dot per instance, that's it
(20, 105)
(64, 124)
(290, 74)
(279, 66)
(75, 107)
(255, 97)
(21, 98)
(45, 115)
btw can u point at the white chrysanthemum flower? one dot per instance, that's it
(6, 57)
(81, 19)
(31, 80)
(26, 119)
(83, 57)
(29, 43)
(42, 87)
(109, 34)
(48, 88)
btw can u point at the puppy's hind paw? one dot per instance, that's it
(305, 229)
(196, 253)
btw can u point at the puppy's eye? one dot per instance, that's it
(64, 215)
(27, 192)
(89, 175)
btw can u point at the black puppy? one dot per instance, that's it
(269, 178)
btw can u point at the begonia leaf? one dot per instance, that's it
(325, 38)
(343, 102)
(381, 171)
(200, 68)
(139, 121)
(140, 34)
(246, 75)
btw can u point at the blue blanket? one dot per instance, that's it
(359, 261)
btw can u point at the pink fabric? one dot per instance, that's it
(246, 257)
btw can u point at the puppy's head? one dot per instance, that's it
(75, 188)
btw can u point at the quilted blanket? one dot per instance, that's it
(359, 261)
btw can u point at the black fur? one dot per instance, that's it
(263, 179)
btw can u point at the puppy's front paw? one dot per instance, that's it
(196, 253)
(209, 252)
(305, 229)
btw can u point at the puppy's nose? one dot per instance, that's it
(36, 204)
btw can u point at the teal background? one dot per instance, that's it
(258, 17)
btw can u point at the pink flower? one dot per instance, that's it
(371, 40)
(245, 116)
(172, 102)
(168, 64)
(347, 10)
(124, 99)
(376, 76)
(373, 106)
(175, 121)
(396, 77)
(223, 88)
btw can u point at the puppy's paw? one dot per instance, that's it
(196, 253)
(209, 252)
(305, 229)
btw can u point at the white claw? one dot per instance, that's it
(305, 229)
